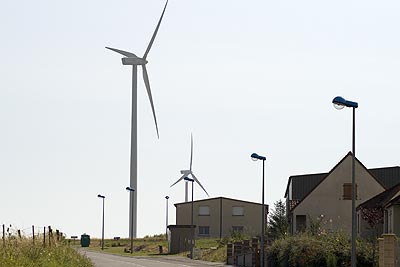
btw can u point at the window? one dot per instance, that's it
(204, 230)
(301, 223)
(237, 211)
(347, 191)
(237, 229)
(390, 230)
(204, 211)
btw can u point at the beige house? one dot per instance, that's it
(326, 197)
(219, 217)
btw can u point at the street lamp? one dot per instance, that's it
(102, 227)
(131, 191)
(256, 157)
(166, 219)
(191, 220)
(340, 103)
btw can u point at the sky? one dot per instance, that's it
(242, 76)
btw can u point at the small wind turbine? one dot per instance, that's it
(135, 61)
(186, 173)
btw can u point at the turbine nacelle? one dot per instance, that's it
(133, 61)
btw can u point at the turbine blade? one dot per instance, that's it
(122, 52)
(197, 181)
(155, 33)
(180, 179)
(147, 83)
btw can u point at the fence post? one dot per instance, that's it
(256, 255)
(44, 236)
(4, 235)
(33, 234)
(229, 254)
(50, 235)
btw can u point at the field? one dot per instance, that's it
(24, 252)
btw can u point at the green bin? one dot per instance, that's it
(85, 240)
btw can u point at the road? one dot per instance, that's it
(108, 260)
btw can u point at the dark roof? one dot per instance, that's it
(381, 199)
(303, 185)
(388, 176)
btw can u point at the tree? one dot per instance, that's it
(278, 224)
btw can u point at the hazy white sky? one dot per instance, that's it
(243, 76)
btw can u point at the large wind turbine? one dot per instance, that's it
(135, 61)
(187, 173)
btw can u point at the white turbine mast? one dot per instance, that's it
(187, 173)
(135, 61)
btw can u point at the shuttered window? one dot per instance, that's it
(347, 191)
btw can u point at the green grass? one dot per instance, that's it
(22, 252)
(211, 249)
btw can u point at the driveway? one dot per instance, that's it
(109, 260)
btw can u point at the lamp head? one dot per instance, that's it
(339, 103)
(100, 196)
(256, 157)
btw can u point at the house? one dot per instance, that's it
(325, 198)
(219, 217)
(380, 214)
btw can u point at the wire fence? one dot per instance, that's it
(37, 235)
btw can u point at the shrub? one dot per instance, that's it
(305, 250)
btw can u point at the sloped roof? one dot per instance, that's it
(388, 176)
(303, 185)
(381, 199)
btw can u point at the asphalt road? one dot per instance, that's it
(108, 260)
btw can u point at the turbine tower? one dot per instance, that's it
(187, 173)
(135, 61)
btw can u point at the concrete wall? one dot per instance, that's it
(327, 198)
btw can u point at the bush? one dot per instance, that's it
(331, 250)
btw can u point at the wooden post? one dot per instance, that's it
(19, 233)
(229, 254)
(50, 235)
(256, 252)
(4, 235)
(33, 234)
(44, 236)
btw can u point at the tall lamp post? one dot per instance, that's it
(340, 103)
(191, 220)
(166, 218)
(256, 157)
(102, 225)
(131, 191)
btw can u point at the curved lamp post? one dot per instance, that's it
(256, 157)
(102, 225)
(191, 220)
(131, 191)
(340, 103)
